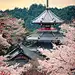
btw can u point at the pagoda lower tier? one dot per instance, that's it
(46, 35)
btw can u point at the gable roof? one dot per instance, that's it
(47, 17)
(32, 55)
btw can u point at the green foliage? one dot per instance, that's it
(35, 10)
(67, 14)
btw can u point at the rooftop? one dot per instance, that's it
(47, 17)
(45, 36)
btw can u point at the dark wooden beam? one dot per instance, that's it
(47, 3)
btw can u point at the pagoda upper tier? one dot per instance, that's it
(47, 17)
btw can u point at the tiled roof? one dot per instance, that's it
(47, 17)
(47, 36)
(26, 51)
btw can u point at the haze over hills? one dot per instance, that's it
(11, 4)
(67, 14)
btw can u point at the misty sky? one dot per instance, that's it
(10, 4)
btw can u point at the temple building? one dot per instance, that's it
(21, 54)
(47, 33)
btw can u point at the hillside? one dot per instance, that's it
(67, 14)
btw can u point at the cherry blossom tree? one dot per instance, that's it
(11, 32)
(7, 69)
(12, 29)
(3, 45)
(61, 61)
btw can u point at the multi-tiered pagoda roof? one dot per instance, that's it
(46, 33)
(47, 17)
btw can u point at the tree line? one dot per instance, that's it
(66, 13)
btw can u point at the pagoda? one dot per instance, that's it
(47, 33)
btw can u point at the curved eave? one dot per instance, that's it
(47, 22)
(47, 17)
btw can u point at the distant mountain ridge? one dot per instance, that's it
(67, 14)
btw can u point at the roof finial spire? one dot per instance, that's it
(47, 3)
